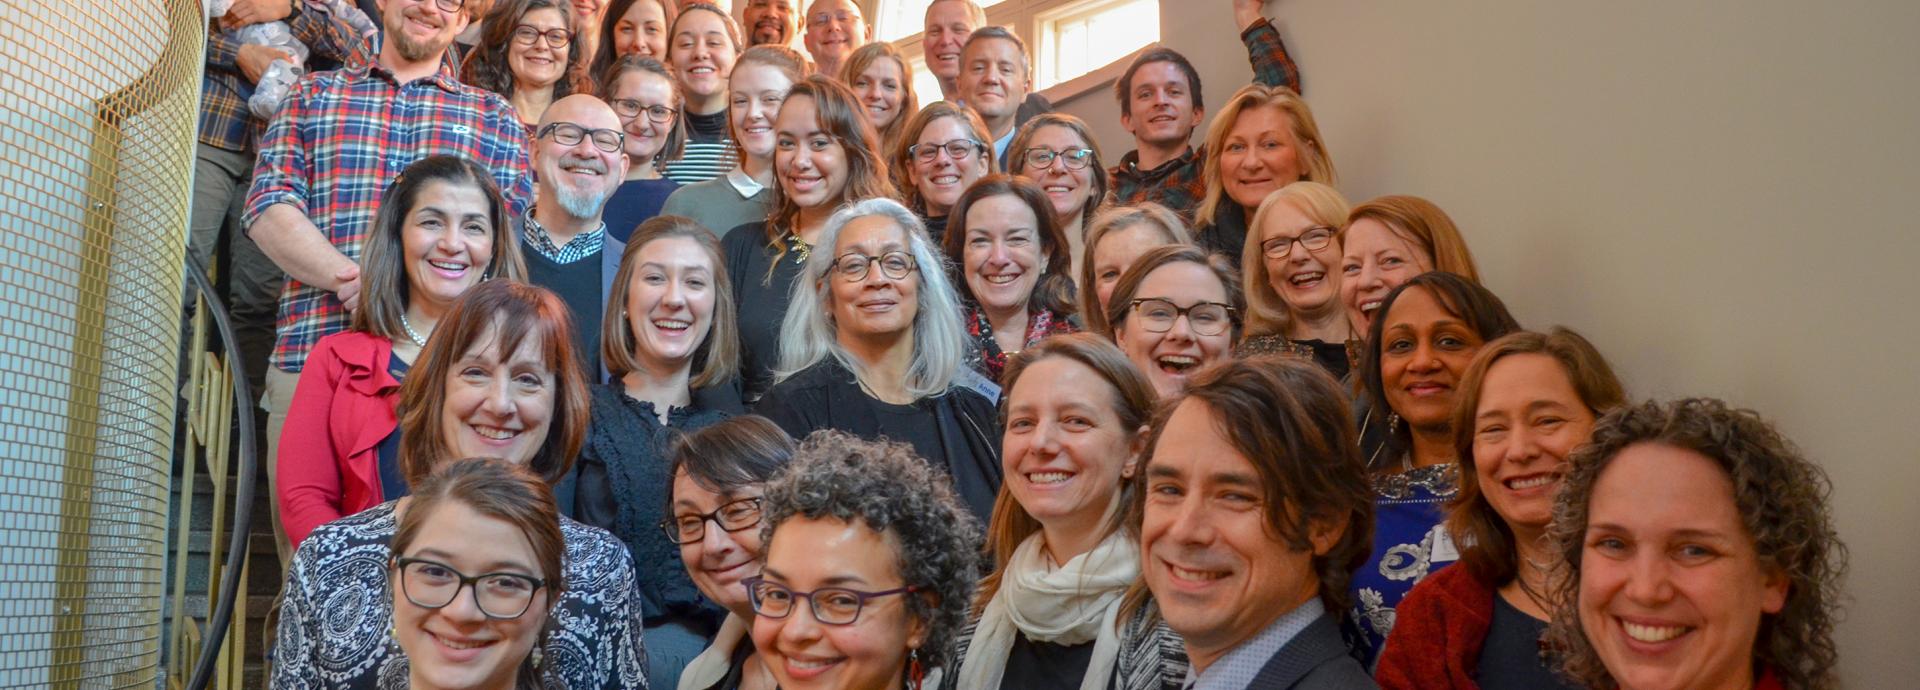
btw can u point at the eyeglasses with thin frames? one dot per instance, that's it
(960, 150)
(1314, 239)
(830, 605)
(570, 134)
(1205, 318)
(434, 585)
(1076, 159)
(853, 268)
(824, 17)
(628, 109)
(731, 516)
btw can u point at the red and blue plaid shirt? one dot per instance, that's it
(341, 138)
(225, 121)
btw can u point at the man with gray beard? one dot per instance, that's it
(579, 159)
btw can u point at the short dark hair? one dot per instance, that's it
(1124, 86)
(1001, 33)
(730, 455)
(1477, 306)
(1304, 449)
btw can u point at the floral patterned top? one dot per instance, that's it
(1409, 541)
(335, 627)
(987, 357)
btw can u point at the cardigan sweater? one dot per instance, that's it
(1437, 633)
(328, 454)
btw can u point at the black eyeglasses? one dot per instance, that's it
(1314, 239)
(732, 517)
(447, 5)
(853, 268)
(570, 134)
(958, 149)
(557, 39)
(1075, 159)
(433, 585)
(831, 605)
(1205, 318)
(628, 109)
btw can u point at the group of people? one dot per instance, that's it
(606, 340)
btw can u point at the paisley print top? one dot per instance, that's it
(1409, 541)
(336, 622)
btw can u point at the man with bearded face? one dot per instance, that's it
(337, 142)
(770, 22)
(580, 159)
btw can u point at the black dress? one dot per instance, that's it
(762, 284)
(622, 488)
(1335, 358)
(956, 430)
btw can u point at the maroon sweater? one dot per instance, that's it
(1437, 633)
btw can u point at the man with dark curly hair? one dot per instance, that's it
(1250, 533)
(1701, 552)
(874, 543)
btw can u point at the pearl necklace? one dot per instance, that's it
(417, 340)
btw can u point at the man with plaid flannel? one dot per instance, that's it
(1160, 103)
(337, 143)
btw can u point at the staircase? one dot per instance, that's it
(263, 569)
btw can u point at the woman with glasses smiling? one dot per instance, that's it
(526, 53)
(719, 477)
(646, 98)
(870, 566)
(1175, 310)
(873, 346)
(943, 151)
(1291, 273)
(475, 572)
(1057, 150)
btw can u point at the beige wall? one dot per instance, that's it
(1717, 192)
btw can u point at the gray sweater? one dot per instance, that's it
(717, 204)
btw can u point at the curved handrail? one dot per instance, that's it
(243, 494)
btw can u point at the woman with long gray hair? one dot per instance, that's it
(872, 345)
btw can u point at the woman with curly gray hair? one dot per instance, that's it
(883, 553)
(1699, 551)
(872, 345)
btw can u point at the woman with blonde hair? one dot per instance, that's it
(879, 73)
(1389, 240)
(1264, 139)
(1290, 268)
(1116, 237)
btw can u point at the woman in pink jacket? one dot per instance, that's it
(441, 229)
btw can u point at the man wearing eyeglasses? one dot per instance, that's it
(337, 142)
(835, 28)
(1161, 105)
(580, 158)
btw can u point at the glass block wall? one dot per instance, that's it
(97, 115)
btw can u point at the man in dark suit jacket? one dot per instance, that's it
(1250, 531)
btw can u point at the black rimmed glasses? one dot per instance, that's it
(831, 605)
(448, 6)
(570, 134)
(957, 149)
(1205, 318)
(628, 109)
(732, 516)
(853, 268)
(557, 39)
(1075, 159)
(434, 585)
(1314, 239)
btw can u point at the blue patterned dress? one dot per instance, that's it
(1409, 541)
(334, 626)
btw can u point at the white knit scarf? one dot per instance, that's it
(1068, 605)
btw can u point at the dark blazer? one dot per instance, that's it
(1315, 659)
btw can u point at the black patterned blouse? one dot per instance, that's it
(335, 626)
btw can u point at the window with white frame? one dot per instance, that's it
(1068, 38)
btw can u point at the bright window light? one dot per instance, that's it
(1084, 38)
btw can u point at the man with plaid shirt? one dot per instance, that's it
(223, 159)
(336, 144)
(1160, 104)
